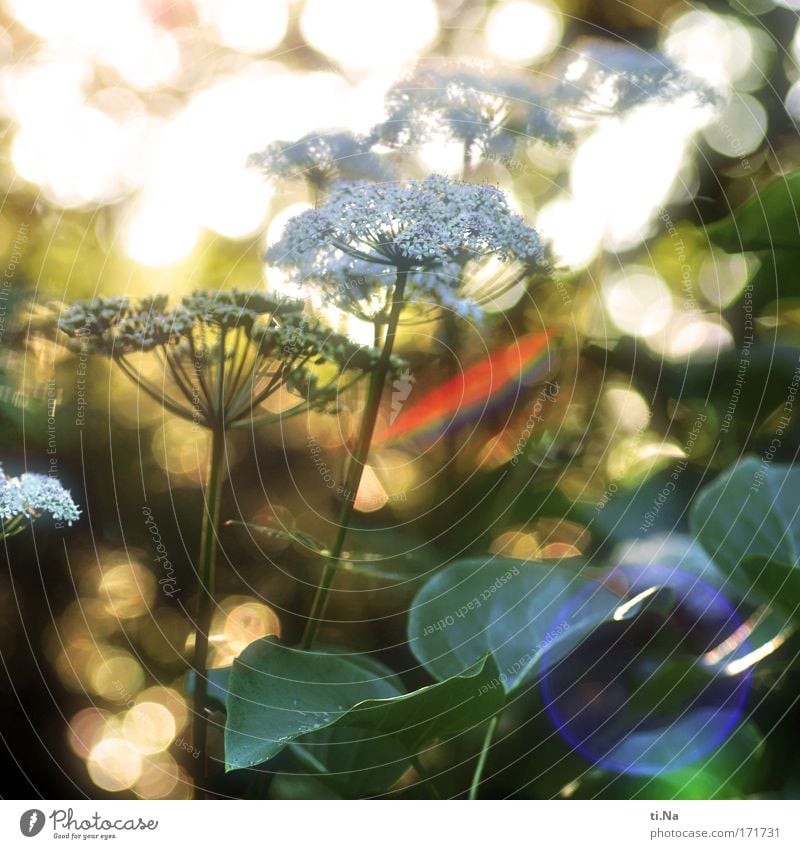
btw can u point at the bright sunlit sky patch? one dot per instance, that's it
(614, 204)
(245, 25)
(523, 32)
(388, 34)
(716, 48)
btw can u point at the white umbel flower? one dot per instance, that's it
(352, 245)
(409, 225)
(30, 496)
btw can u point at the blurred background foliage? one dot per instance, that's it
(126, 129)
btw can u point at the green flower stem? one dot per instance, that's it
(358, 461)
(207, 568)
(487, 742)
(205, 605)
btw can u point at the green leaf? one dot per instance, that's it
(748, 520)
(509, 609)
(621, 515)
(767, 221)
(444, 709)
(776, 278)
(675, 551)
(278, 694)
(777, 582)
(350, 762)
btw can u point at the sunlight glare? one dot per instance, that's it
(388, 33)
(523, 32)
(247, 26)
(371, 493)
(715, 48)
(641, 154)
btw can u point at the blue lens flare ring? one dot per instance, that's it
(657, 687)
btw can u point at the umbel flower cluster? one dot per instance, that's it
(428, 229)
(490, 113)
(496, 114)
(368, 226)
(602, 76)
(322, 159)
(417, 224)
(25, 498)
(222, 353)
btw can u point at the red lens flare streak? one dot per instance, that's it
(475, 388)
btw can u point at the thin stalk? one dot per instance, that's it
(283, 415)
(238, 360)
(207, 561)
(221, 386)
(487, 742)
(358, 461)
(183, 382)
(205, 605)
(153, 392)
(198, 360)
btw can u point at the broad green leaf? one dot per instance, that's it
(767, 221)
(778, 583)
(685, 554)
(510, 609)
(776, 278)
(351, 762)
(277, 694)
(444, 709)
(623, 514)
(219, 678)
(675, 551)
(748, 520)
